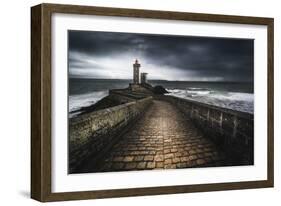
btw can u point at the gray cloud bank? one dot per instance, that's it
(111, 55)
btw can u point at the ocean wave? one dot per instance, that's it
(76, 102)
(232, 100)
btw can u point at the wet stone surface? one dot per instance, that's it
(162, 139)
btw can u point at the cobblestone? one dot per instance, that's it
(162, 139)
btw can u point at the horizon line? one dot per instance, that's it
(162, 80)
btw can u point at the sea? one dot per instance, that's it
(237, 96)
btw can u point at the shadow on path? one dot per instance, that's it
(162, 139)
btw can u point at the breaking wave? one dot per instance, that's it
(76, 102)
(238, 101)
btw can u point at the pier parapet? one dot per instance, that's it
(232, 131)
(94, 133)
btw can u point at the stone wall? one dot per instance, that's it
(123, 95)
(232, 131)
(141, 88)
(91, 134)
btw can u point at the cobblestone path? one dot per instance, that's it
(162, 138)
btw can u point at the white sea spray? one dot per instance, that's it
(233, 100)
(78, 101)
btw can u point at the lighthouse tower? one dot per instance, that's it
(136, 67)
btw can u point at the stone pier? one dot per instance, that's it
(162, 139)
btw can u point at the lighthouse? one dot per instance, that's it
(139, 84)
(136, 67)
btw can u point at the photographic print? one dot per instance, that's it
(148, 101)
(131, 102)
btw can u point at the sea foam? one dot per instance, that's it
(76, 102)
(232, 100)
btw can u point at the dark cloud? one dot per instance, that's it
(205, 58)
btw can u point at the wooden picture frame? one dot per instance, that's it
(41, 117)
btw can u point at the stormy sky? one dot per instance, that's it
(109, 55)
